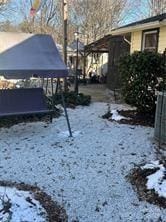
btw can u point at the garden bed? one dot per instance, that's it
(150, 183)
(131, 117)
(72, 99)
(21, 202)
(135, 118)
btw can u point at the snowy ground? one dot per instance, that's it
(86, 173)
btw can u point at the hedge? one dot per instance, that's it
(142, 75)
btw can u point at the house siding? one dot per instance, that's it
(162, 39)
(136, 38)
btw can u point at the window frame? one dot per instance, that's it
(150, 31)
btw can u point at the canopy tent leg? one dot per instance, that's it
(52, 98)
(47, 86)
(52, 87)
(65, 110)
(42, 85)
(57, 85)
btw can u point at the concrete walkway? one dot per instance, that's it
(98, 92)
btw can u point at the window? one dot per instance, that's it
(150, 40)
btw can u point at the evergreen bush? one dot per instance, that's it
(142, 74)
(72, 99)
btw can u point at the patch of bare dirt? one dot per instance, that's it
(132, 118)
(135, 118)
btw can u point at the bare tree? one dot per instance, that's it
(7, 26)
(47, 20)
(151, 8)
(157, 7)
(4, 7)
(96, 18)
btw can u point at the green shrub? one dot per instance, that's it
(142, 74)
(72, 99)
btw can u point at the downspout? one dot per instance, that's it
(126, 40)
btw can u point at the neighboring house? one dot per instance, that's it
(148, 34)
(106, 53)
(102, 68)
(77, 46)
(97, 56)
(102, 55)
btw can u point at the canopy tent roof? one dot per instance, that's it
(26, 55)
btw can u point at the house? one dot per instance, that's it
(148, 34)
(104, 57)
(97, 56)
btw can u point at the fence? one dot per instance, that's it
(160, 119)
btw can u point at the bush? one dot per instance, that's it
(142, 74)
(72, 99)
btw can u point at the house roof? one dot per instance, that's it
(151, 19)
(151, 22)
(99, 46)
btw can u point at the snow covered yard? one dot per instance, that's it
(85, 173)
(19, 205)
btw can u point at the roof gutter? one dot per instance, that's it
(140, 27)
(163, 22)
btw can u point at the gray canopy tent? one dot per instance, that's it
(23, 56)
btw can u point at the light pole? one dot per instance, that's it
(76, 34)
(65, 18)
(80, 50)
(85, 56)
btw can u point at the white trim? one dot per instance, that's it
(126, 40)
(144, 35)
(149, 25)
